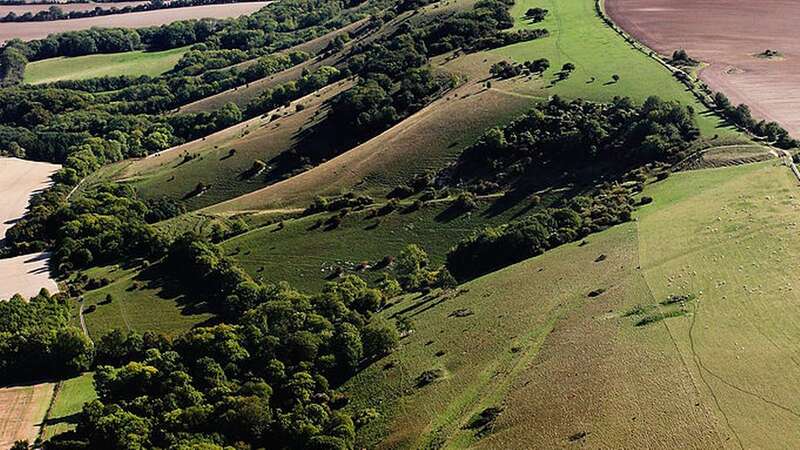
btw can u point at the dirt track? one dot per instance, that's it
(728, 35)
(18, 180)
(37, 30)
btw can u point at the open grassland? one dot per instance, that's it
(92, 66)
(729, 236)
(560, 362)
(141, 301)
(305, 253)
(715, 369)
(68, 402)
(724, 35)
(580, 37)
(37, 30)
(22, 410)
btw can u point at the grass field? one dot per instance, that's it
(539, 349)
(730, 236)
(140, 303)
(570, 370)
(305, 255)
(113, 64)
(68, 402)
(579, 36)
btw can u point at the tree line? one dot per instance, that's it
(55, 12)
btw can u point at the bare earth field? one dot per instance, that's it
(18, 180)
(66, 7)
(22, 409)
(728, 35)
(37, 30)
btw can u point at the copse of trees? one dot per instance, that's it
(566, 137)
(37, 340)
(496, 247)
(536, 14)
(264, 380)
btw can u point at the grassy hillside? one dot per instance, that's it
(539, 349)
(580, 37)
(242, 95)
(730, 237)
(263, 138)
(566, 368)
(142, 300)
(68, 401)
(306, 254)
(91, 66)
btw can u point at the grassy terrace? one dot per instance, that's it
(92, 66)
(579, 36)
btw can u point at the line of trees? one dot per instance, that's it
(741, 116)
(55, 12)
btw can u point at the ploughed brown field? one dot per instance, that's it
(66, 7)
(729, 35)
(36, 30)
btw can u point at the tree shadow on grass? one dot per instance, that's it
(71, 419)
(167, 288)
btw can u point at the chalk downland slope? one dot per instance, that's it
(712, 369)
(242, 95)
(429, 139)
(224, 160)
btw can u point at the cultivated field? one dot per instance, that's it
(22, 410)
(92, 66)
(18, 180)
(33, 8)
(37, 30)
(729, 36)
